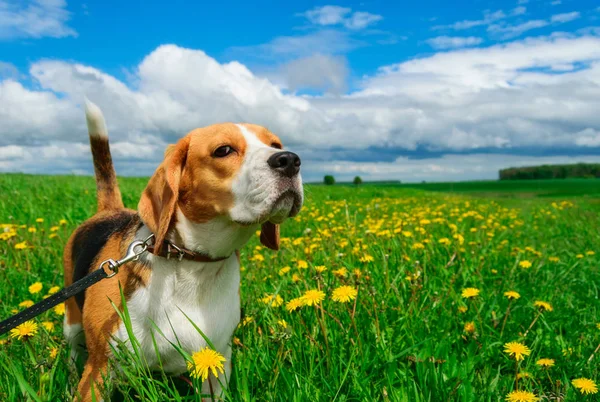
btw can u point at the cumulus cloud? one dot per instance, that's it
(317, 72)
(34, 19)
(450, 42)
(336, 15)
(541, 93)
(565, 17)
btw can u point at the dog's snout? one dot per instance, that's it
(286, 163)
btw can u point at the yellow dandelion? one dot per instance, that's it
(24, 331)
(580, 256)
(62, 222)
(553, 259)
(590, 252)
(302, 264)
(282, 323)
(545, 362)
(247, 320)
(542, 305)
(524, 374)
(517, 349)
(21, 246)
(469, 327)
(52, 236)
(53, 290)
(35, 288)
(525, 264)
(296, 278)
(48, 325)
(521, 396)
(585, 385)
(40, 220)
(60, 309)
(26, 303)
(54, 228)
(294, 304)
(284, 271)
(312, 297)
(598, 325)
(272, 300)
(470, 292)
(342, 272)
(320, 268)
(53, 352)
(204, 361)
(511, 294)
(344, 294)
(32, 230)
(367, 258)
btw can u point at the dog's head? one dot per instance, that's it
(236, 172)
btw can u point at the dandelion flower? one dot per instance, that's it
(470, 327)
(320, 268)
(525, 264)
(48, 325)
(367, 258)
(521, 396)
(21, 246)
(203, 361)
(296, 278)
(32, 230)
(511, 294)
(282, 323)
(543, 305)
(312, 297)
(585, 385)
(62, 222)
(53, 352)
(272, 300)
(284, 271)
(344, 294)
(342, 272)
(517, 349)
(545, 362)
(60, 309)
(40, 220)
(470, 292)
(35, 288)
(54, 228)
(53, 290)
(293, 304)
(26, 303)
(26, 330)
(247, 320)
(302, 264)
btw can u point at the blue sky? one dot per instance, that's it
(425, 91)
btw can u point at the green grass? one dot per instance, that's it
(403, 340)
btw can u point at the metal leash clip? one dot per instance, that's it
(112, 266)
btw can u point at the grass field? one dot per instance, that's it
(430, 321)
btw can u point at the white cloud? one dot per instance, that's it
(320, 72)
(556, 2)
(8, 70)
(34, 19)
(450, 42)
(511, 31)
(336, 15)
(488, 18)
(505, 97)
(565, 17)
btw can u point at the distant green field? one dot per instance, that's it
(507, 188)
(444, 282)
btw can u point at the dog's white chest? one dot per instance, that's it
(208, 293)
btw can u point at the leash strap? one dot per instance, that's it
(107, 269)
(53, 300)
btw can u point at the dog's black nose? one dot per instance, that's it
(286, 163)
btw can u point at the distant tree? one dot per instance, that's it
(329, 180)
(357, 180)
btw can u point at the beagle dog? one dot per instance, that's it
(214, 189)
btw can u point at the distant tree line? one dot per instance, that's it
(579, 170)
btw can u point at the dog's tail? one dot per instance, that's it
(108, 193)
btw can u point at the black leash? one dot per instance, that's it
(107, 269)
(52, 301)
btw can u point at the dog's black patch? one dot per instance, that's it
(91, 238)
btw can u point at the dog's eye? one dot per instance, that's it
(223, 151)
(276, 145)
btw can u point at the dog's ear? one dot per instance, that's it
(159, 199)
(269, 235)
